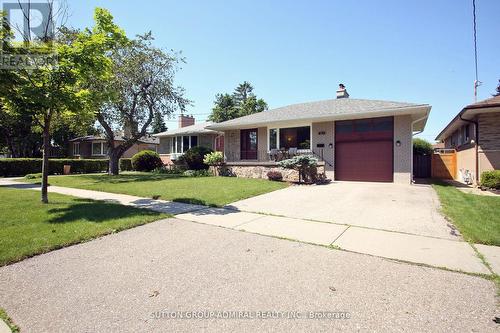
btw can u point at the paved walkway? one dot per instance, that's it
(434, 251)
(161, 206)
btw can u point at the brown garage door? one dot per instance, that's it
(364, 149)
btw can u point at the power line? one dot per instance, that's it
(477, 83)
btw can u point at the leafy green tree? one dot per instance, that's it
(225, 109)
(241, 103)
(252, 105)
(54, 92)
(140, 84)
(158, 124)
(422, 147)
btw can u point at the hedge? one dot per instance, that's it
(125, 164)
(491, 179)
(23, 166)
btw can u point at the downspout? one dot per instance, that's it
(476, 134)
(413, 134)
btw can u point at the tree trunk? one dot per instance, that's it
(114, 164)
(45, 162)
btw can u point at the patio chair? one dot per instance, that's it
(273, 154)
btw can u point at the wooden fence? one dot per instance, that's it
(444, 165)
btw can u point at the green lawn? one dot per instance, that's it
(476, 216)
(5, 317)
(210, 191)
(28, 227)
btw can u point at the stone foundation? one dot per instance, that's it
(260, 171)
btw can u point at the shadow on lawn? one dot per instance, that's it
(128, 178)
(95, 211)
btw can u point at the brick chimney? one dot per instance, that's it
(342, 92)
(185, 120)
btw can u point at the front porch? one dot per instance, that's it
(274, 143)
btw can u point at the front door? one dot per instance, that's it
(248, 144)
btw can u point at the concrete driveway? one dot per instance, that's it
(133, 280)
(411, 209)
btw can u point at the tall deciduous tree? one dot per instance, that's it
(142, 85)
(51, 92)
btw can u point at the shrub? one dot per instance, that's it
(422, 147)
(146, 160)
(126, 164)
(168, 171)
(33, 176)
(304, 164)
(274, 175)
(24, 166)
(197, 173)
(214, 158)
(193, 158)
(491, 179)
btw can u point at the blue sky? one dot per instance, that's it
(298, 51)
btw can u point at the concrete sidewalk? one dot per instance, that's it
(438, 252)
(161, 206)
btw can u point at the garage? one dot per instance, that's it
(364, 149)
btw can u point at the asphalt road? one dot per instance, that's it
(137, 280)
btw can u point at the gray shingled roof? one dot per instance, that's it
(324, 110)
(199, 128)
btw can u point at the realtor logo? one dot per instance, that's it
(32, 29)
(32, 20)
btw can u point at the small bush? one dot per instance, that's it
(197, 173)
(491, 179)
(193, 158)
(167, 171)
(274, 175)
(146, 160)
(126, 164)
(422, 147)
(214, 158)
(33, 176)
(304, 164)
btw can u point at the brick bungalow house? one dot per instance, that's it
(356, 139)
(475, 135)
(173, 143)
(95, 146)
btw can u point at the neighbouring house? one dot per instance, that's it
(474, 134)
(355, 139)
(96, 146)
(173, 143)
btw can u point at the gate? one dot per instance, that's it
(421, 166)
(444, 164)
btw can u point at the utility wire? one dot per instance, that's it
(477, 83)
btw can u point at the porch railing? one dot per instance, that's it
(322, 154)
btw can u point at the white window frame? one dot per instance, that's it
(278, 137)
(102, 148)
(174, 145)
(76, 152)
